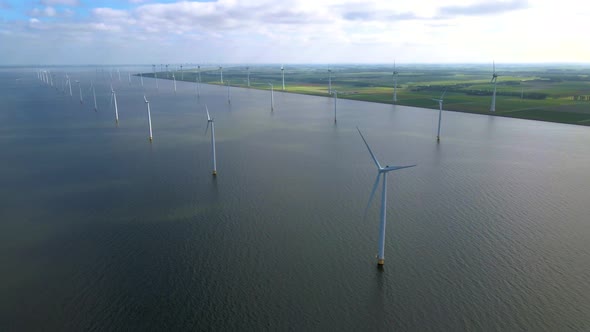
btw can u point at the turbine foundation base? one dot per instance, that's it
(380, 262)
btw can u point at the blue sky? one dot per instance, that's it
(292, 31)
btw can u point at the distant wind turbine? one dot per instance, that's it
(271, 97)
(199, 72)
(335, 103)
(80, 88)
(167, 76)
(329, 81)
(149, 117)
(94, 95)
(70, 85)
(213, 158)
(141, 78)
(174, 78)
(221, 73)
(181, 74)
(114, 99)
(283, 73)
(394, 84)
(440, 105)
(198, 87)
(248, 69)
(384, 171)
(495, 81)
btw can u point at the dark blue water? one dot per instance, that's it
(101, 230)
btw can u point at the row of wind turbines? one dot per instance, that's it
(46, 77)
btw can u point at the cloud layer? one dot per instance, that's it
(289, 31)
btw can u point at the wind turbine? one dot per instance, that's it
(329, 81)
(167, 76)
(198, 87)
(69, 84)
(149, 117)
(221, 73)
(283, 73)
(174, 78)
(384, 171)
(394, 84)
(495, 81)
(440, 104)
(141, 78)
(272, 102)
(335, 102)
(248, 69)
(199, 72)
(181, 74)
(156, 77)
(94, 95)
(114, 98)
(210, 121)
(80, 88)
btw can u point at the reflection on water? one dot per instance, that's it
(103, 230)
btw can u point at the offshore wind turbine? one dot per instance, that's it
(181, 74)
(248, 69)
(384, 171)
(174, 78)
(149, 117)
(213, 158)
(80, 88)
(94, 95)
(394, 84)
(329, 81)
(114, 98)
(167, 76)
(283, 73)
(335, 103)
(272, 102)
(221, 73)
(495, 81)
(141, 78)
(199, 72)
(440, 105)
(69, 85)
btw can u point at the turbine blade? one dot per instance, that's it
(208, 117)
(144, 98)
(443, 94)
(372, 195)
(370, 151)
(395, 168)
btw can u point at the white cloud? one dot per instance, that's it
(314, 31)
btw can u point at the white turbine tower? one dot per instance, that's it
(155, 77)
(70, 85)
(167, 76)
(94, 95)
(181, 74)
(80, 88)
(149, 117)
(272, 102)
(335, 103)
(174, 78)
(329, 81)
(199, 72)
(283, 73)
(114, 99)
(394, 84)
(384, 171)
(221, 74)
(440, 105)
(495, 81)
(213, 157)
(248, 69)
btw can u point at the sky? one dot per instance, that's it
(54, 32)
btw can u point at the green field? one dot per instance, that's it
(559, 93)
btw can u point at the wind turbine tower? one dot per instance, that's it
(384, 171)
(495, 81)
(149, 117)
(283, 73)
(221, 74)
(394, 84)
(329, 81)
(440, 105)
(210, 121)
